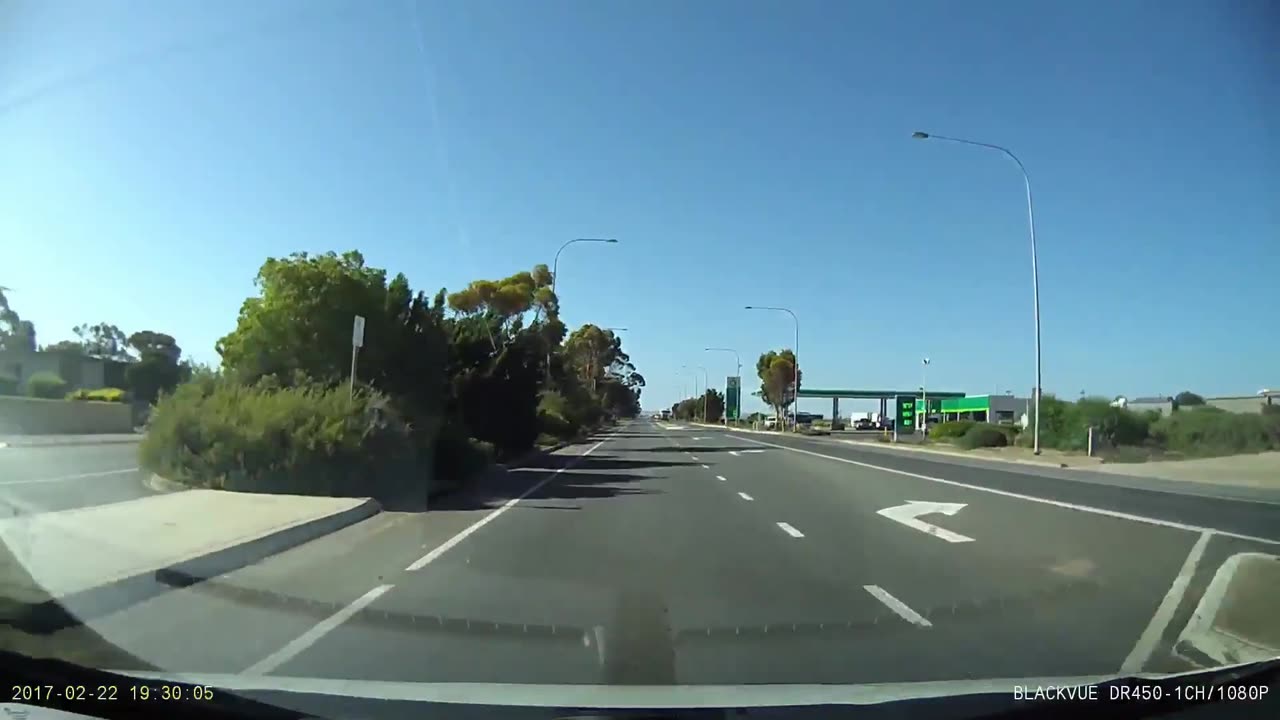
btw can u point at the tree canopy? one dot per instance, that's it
(777, 371)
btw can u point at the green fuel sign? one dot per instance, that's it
(733, 397)
(906, 420)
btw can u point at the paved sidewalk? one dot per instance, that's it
(1260, 470)
(60, 568)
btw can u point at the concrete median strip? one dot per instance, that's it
(1234, 621)
(60, 569)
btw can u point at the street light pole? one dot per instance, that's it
(738, 358)
(795, 353)
(695, 389)
(924, 392)
(706, 390)
(555, 275)
(1035, 271)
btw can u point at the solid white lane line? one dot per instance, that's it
(734, 453)
(721, 478)
(70, 477)
(447, 544)
(897, 606)
(706, 466)
(1020, 496)
(745, 496)
(310, 637)
(786, 527)
(1141, 652)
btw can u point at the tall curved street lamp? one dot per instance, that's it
(1035, 272)
(795, 352)
(555, 276)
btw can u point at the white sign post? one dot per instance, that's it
(357, 342)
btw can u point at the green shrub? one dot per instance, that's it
(950, 429)
(553, 417)
(984, 435)
(460, 458)
(98, 395)
(1209, 431)
(304, 440)
(46, 385)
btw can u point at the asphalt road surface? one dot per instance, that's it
(668, 554)
(61, 477)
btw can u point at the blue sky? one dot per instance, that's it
(741, 152)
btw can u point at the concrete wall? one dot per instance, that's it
(78, 371)
(1243, 404)
(32, 416)
(1164, 407)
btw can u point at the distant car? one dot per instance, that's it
(863, 424)
(770, 422)
(886, 424)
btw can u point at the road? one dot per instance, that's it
(659, 555)
(61, 477)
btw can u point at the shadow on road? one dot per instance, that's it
(695, 448)
(588, 478)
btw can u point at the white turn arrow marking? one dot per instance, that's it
(908, 515)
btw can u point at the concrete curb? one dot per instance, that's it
(11, 443)
(72, 610)
(947, 453)
(159, 484)
(1202, 642)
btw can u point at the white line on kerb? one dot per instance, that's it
(786, 528)
(1020, 496)
(309, 638)
(70, 477)
(706, 466)
(721, 478)
(1141, 652)
(447, 544)
(745, 496)
(897, 606)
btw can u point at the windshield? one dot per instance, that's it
(458, 342)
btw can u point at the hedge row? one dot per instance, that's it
(1193, 432)
(306, 440)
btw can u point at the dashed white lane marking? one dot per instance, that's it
(69, 477)
(786, 528)
(897, 606)
(721, 478)
(745, 496)
(734, 453)
(447, 544)
(693, 458)
(1031, 498)
(309, 638)
(706, 466)
(1141, 652)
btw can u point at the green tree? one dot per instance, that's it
(1186, 398)
(299, 326)
(103, 340)
(777, 373)
(15, 333)
(507, 301)
(711, 405)
(146, 342)
(72, 346)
